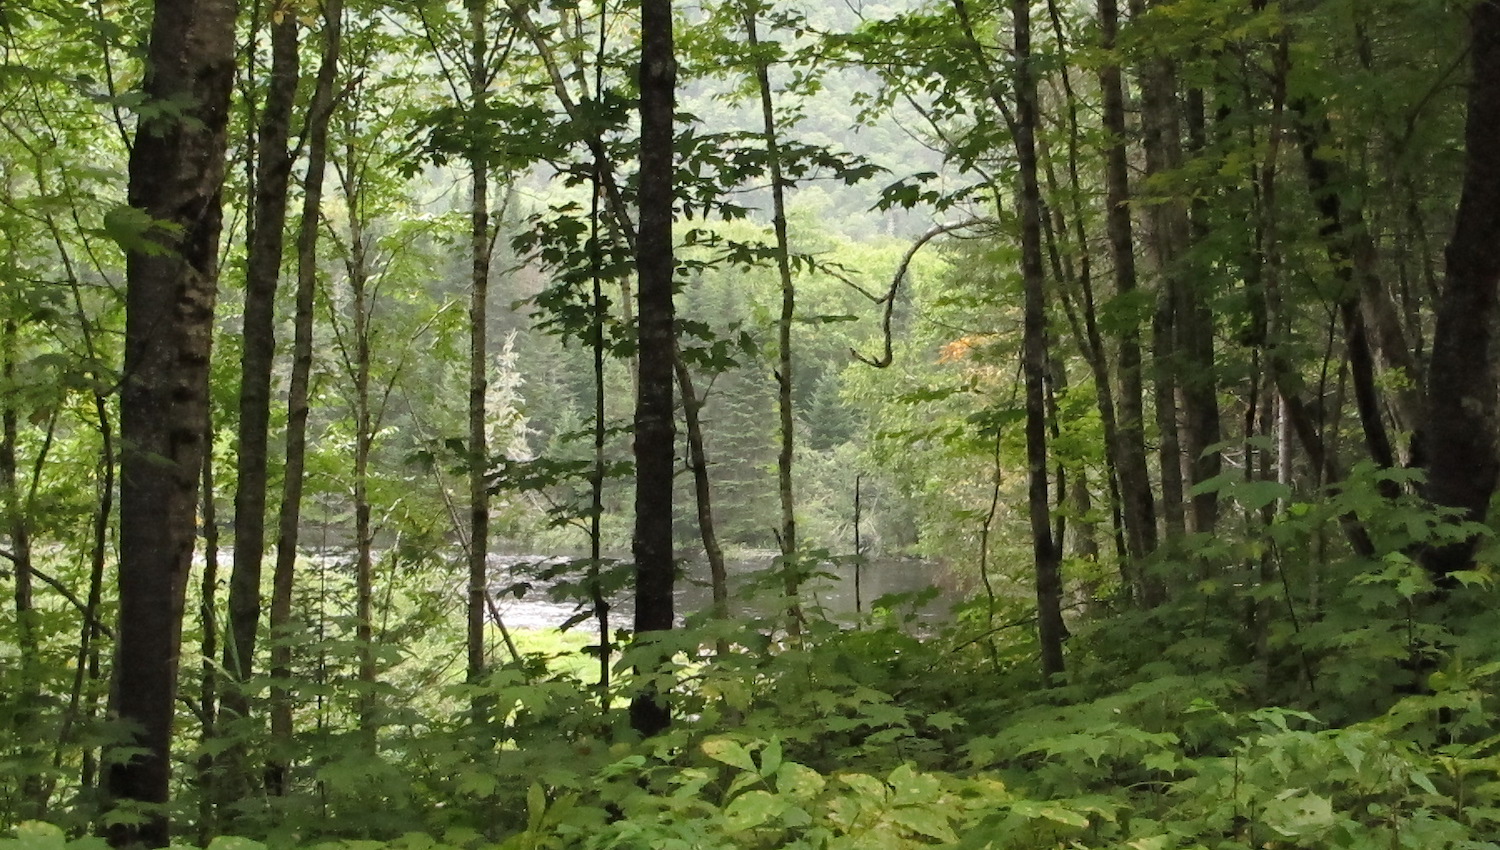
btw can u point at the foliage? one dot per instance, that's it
(1299, 680)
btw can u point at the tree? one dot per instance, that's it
(784, 363)
(655, 427)
(320, 112)
(176, 175)
(482, 240)
(1046, 550)
(273, 172)
(1463, 406)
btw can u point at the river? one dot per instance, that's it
(539, 592)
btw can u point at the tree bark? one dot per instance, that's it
(17, 527)
(208, 674)
(655, 430)
(791, 569)
(1321, 181)
(1462, 406)
(359, 363)
(262, 278)
(1138, 506)
(1045, 551)
(1198, 380)
(703, 491)
(289, 519)
(481, 240)
(176, 172)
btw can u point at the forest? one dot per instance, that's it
(522, 424)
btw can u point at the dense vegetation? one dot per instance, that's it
(1163, 334)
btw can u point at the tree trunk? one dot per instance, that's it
(481, 240)
(176, 173)
(319, 113)
(1199, 378)
(655, 431)
(791, 569)
(698, 460)
(17, 527)
(1462, 406)
(359, 363)
(208, 674)
(1045, 551)
(1138, 505)
(262, 276)
(1167, 236)
(86, 661)
(1322, 175)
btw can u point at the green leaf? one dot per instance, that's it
(1166, 761)
(913, 788)
(477, 783)
(1420, 779)
(752, 809)
(865, 786)
(925, 822)
(945, 721)
(799, 781)
(1295, 812)
(729, 752)
(1049, 811)
(135, 231)
(536, 807)
(770, 758)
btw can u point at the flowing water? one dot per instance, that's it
(538, 592)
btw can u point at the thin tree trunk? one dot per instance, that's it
(1167, 236)
(262, 277)
(357, 266)
(1137, 501)
(791, 568)
(176, 172)
(481, 240)
(859, 550)
(1085, 543)
(1377, 342)
(599, 315)
(289, 519)
(655, 438)
(17, 526)
(698, 459)
(82, 705)
(208, 674)
(1199, 381)
(1169, 446)
(1048, 565)
(1023, 123)
(1334, 230)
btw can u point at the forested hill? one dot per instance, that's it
(335, 333)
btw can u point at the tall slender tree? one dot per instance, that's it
(655, 428)
(785, 416)
(1046, 549)
(262, 278)
(481, 242)
(320, 112)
